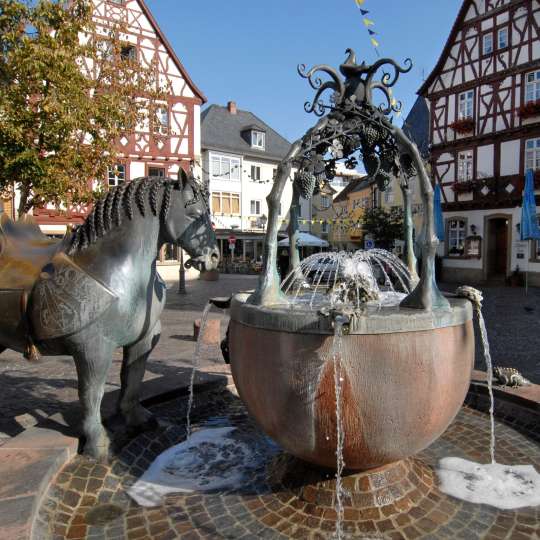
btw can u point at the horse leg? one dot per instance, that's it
(92, 369)
(131, 376)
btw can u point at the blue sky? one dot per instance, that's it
(247, 51)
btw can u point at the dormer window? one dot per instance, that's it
(257, 139)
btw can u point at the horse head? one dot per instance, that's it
(188, 224)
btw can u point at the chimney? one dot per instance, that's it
(231, 107)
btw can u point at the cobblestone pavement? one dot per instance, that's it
(30, 392)
(270, 498)
(513, 325)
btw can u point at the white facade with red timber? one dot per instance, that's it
(484, 100)
(164, 144)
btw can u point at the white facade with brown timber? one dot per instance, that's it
(484, 99)
(170, 141)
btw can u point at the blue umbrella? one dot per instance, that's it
(437, 213)
(529, 229)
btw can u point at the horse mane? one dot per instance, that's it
(120, 202)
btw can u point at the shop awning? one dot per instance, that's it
(305, 240)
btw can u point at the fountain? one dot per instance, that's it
(402, 337)
(356, 366)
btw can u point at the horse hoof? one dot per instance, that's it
(141, 419)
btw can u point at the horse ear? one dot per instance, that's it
(182, 178)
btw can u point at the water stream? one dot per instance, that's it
(489, 368)
(337, 357)
(495, 484)
(195, 365)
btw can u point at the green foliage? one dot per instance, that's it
(383, 225)
(66, 95)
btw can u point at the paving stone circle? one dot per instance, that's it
(88, 500)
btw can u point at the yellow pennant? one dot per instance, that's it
(360, 2)
(368, 22)
(374, 42)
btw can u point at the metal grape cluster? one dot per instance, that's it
(353, 127)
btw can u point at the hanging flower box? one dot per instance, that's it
(465, 125)
(464, 187)
(532, 108)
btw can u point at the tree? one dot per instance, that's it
(383, 225)
(68, 90)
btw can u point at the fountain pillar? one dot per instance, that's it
(410, 258)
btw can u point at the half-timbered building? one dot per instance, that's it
(161, 145)
(484, 100)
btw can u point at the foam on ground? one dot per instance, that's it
(503, 486)
(210, 460)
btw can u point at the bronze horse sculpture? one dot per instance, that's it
(98, 288)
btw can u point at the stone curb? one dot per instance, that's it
(30, 461)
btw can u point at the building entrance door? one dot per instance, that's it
(497, 248)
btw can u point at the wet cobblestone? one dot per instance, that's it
(270, 506)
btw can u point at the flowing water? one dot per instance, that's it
(375, 277)
(196, 360)
(503, 486)
(337, 357)
(489, 368)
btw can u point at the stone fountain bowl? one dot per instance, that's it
(406, 373)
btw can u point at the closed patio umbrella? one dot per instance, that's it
(529, 229)
(438, 213)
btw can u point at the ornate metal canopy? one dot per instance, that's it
(352, 127)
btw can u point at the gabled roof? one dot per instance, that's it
(349, 188)
(171, 52)
(416, 125)
(222, 130)
(446, 50)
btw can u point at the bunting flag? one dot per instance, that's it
(368, 23)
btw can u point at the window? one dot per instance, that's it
(532, 86)
(502, 38)
(456, 237)
(225, 203)
(156, 171)
(465, 166)
(325, 202)
(161, 124)
(128, 52)
(170, 252)
(532, 154)
(255, 173)
(324, 227)
(487, 44)
(257, 139)
(255, 208)
(279, 210)
(119, 2)
(116, 175)
(466, 102)
(389, 194)
(274, 173)
(225, 168)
